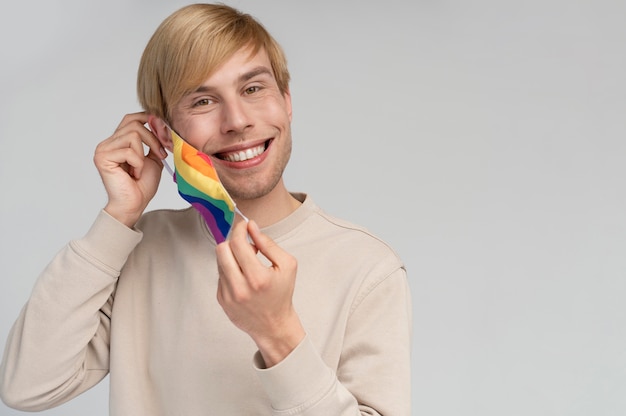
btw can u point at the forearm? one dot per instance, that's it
(58, 346)
(302, 384)
(47, 362)
(373, 377)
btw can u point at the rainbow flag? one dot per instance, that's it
(199, 185)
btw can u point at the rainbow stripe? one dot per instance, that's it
(199, 185)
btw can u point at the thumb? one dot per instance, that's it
(263, 243)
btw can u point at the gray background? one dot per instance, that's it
(483, 139)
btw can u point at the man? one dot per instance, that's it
(296, 313)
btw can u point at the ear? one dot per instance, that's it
(162, 131)
(287, 97)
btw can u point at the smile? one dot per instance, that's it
(242, 155)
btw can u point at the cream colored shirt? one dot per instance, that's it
(141, 306)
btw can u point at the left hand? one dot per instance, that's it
(258, 298)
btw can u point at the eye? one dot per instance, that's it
(203, 102)
(252, 90)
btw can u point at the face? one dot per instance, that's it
(239, 117)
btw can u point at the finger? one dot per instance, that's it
(127, 136)
(133, 140)
(144, 137)
(113, 160)
(157, 158)
(123, 140)
(227, 266)
(136, 145)
(139, 122)
(243, 250)
(152, 142)
(140, 116)
(264, 244)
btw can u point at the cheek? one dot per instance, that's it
(273, 104)
(277, 112)
(197, 131)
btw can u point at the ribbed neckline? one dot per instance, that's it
(283, 227)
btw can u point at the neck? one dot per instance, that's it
(270, 208)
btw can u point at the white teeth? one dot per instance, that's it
(245, 155)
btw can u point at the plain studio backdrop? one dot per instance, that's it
(484, 140)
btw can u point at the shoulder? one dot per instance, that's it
(351, 256)
(347, 232)
(168, 222)
(349, 245)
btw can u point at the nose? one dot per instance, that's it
(235, 117)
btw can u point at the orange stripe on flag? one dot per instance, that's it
(191, 157)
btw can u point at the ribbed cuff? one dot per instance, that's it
(300, 380)
(109, 241)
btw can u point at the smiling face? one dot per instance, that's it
(239, 117)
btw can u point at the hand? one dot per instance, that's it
(258, 298)
(130, 177)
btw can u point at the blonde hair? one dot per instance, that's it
(192, 43)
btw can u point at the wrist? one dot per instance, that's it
(276, 347)
(123, 217)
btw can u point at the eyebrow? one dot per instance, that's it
(259, 70)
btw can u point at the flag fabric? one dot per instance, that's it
(199, 185)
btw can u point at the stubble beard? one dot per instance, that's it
(249, 187)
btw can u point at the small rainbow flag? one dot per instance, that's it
(199, 185)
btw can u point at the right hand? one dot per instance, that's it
(130, 177)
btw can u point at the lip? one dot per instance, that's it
(252, 154)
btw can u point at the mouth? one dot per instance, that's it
(245, 154)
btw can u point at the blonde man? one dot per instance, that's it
(296, 313)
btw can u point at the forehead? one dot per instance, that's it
(240, 66)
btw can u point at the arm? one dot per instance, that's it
(373, 376)
(59, 345)
(258, 298)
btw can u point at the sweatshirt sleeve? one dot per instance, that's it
(374, 373)
(59, 345)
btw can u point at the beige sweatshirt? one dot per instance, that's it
(141, 305)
